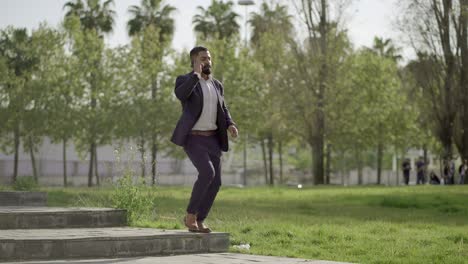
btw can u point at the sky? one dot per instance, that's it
(364, 20)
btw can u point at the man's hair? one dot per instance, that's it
(194, 52)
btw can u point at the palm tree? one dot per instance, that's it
(152, 13)
(270, 19)
(92, 15)
(218, 21)
(98, 17)
(385, 48)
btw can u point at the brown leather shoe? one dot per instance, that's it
(190, 221)
(202, 228)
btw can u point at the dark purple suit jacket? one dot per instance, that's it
(189, 92)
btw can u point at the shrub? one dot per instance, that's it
(25, 184)
(135, 197)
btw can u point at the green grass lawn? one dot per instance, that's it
(418, 224)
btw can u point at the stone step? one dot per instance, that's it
(57, 217)
(17, 198)
(81, 243)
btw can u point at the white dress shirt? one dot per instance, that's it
(207, 120)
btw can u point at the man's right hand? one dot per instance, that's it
(197, 67)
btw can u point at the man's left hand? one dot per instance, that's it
(233, 130)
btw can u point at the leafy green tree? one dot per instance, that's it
(272, 31)
(94, 19)
(61, 79)
(19, 60)
(323, 35)
(418, 83)
(46, 45)
(438, 29)
(385, 111)
(152, 28)
(385, 49)
(62, 110)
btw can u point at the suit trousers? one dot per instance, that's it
(205, 154)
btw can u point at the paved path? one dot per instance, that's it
(219, 258)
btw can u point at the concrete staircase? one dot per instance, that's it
(34, 232)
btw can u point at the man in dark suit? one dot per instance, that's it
(202, 132)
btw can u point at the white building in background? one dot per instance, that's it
(112, 162)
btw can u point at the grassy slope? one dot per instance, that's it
(420, 224)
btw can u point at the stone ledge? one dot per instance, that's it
(37, 244)
(17, 198)
(57, 217)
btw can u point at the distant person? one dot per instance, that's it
(449, 172)
(406, 170)
(434, 179)
(451, 175)
(420, 168)
(446, 171)
(462, 170)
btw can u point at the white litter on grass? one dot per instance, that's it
(242, 246)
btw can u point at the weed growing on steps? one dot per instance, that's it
(130, 191)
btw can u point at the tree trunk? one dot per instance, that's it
(280, 153)
(463, 114)
(443, 20)
(343, 167)
(142, 152)
(98, 182)
(265, 167)
(270, 157)
(92, 127)
(91, 162)
(328, 164)
(317, 34)
(17, 144)
(320, 115)
(33, 159)
(359, 167)
(379, 161)
(426, 163)
(312, 164)
(441, 168)
(154, 147)
(92, 150)
(317, 160)
(244, 174)
(398, 167)
(64, 154)
(154, 153)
